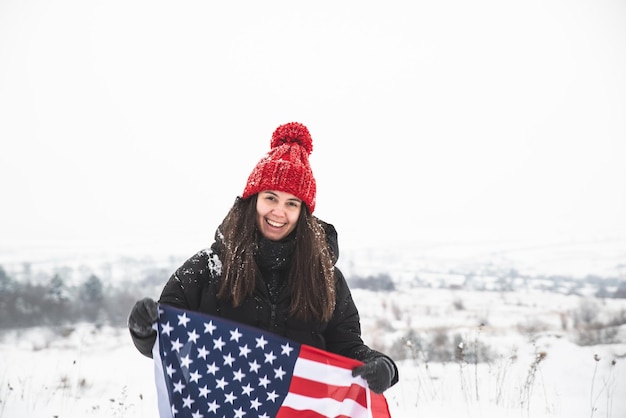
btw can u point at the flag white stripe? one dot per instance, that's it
(325, 373)
(326, 407)
(369, 401)
(165, 409)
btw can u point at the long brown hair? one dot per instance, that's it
(311, 277)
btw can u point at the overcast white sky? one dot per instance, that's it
(137, 123)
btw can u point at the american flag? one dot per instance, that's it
(211, 367)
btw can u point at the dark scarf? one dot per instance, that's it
(274, 259)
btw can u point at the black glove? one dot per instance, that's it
(142, 316)
(378, 373)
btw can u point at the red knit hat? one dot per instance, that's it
(286, 166)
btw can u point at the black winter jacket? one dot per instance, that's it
(194, 286)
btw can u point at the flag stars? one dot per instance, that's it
(254, 366)
(203, 352)
(176, 345)
(247, 389)
(221, 383)
(183, 319)
(209, 327)
(218, 344)
(229, 359)
(271, 396)
(217, 370)
(193, 336)
(213, 407)
(195, 377)
(264, 381)
(212, 368)
(166, 328)
(170, 370)
(279, 373)
(187, 402)
(287, 349)
(185, 361)
(204, 391)
(270, 357)
(235, 335)
(261, 342)
(178, 387)
(238, 375)
(230, 398)
(244, 351)
(254, 404)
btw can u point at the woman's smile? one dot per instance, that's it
(277, 213)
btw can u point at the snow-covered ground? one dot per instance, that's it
(88, 371)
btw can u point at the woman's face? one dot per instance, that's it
(277, 213)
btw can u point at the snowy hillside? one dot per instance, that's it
(461, 352)
(475, 332)
(88, 371)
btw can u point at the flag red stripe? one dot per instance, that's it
(379, 406)
(314, 389)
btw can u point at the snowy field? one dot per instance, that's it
(85, 371)
(530, 365)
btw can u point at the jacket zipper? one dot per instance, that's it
(273, 324)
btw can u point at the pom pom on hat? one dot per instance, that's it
(293, 133)
(286, 166)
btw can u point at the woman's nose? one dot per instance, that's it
(279, 210)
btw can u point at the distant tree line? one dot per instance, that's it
(379, 282)
(55, 300)
(25, 304)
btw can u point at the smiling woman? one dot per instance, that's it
(272, 266)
